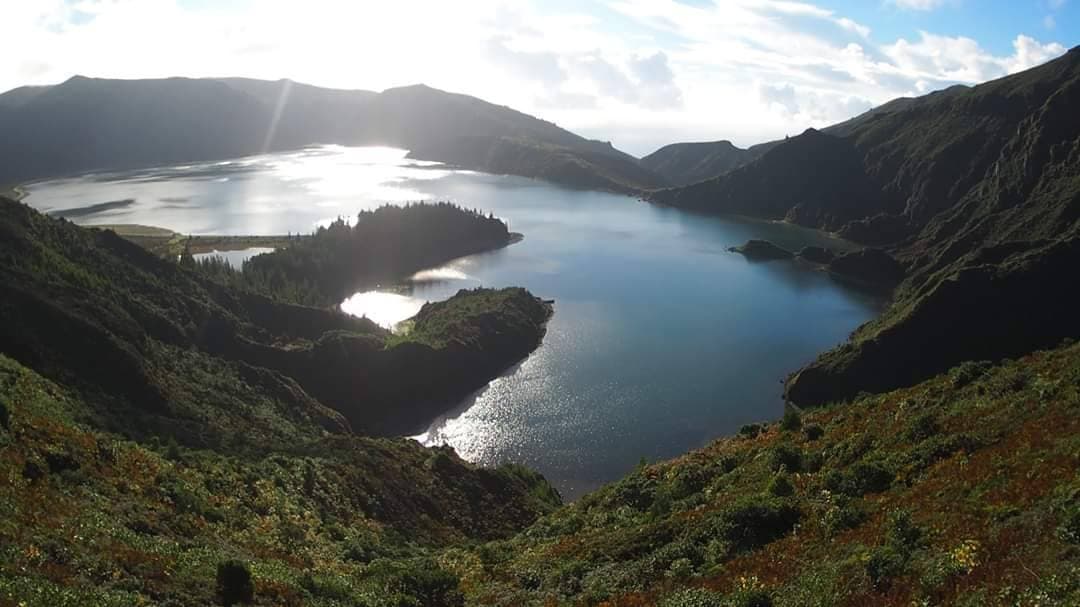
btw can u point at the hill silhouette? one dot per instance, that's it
(87, 124)
(686, 163)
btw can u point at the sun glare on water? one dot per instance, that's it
(385, 309)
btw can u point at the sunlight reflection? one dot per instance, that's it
(439, 274)
(385, 309)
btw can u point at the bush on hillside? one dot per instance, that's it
(750, 431)
(785, 458)
(780, 486)
(813, 432)
(234, 584)
(791, 421)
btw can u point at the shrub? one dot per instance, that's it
(812, 462)
(5, 415)
(688, 480)
(172, 450)
(968, 372)
(681, 569)
(883, 565)
(813, 431)
(922, 428)
(851, 449)
(727, 463)
(791, 421)
(415, 582)
(753, 598)
(751, 523)
(938, 448)
(750, 431)
(636, 491)
(1069, 531)
(780, 486)
(326, 587)
(844, 514)
(695, 597)
(785, 457)
(860, 479)
(901, 531)
(234, 583)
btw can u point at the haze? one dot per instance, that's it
(641, 73)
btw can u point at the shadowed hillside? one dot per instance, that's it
(88, 308)
(92, 124)
(686, 163)
(160, 431)
(975, 191)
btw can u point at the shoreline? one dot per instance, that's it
(16, 193)
(165, 242)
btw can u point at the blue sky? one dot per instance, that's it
(994, 23)
(640, 73)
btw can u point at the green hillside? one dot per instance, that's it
(962, 490)
(975, 192)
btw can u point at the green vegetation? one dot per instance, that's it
(89, 308)
(89, 517)
(979, 507)
(167, 243)
(160, 442)
(382, 245)
(969, 200)
(176, 434)
(463, 320)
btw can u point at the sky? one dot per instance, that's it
(639, 73)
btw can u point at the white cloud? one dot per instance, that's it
(960, 59)
(919, 5)
(638, 72)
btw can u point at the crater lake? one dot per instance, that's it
(661, 340)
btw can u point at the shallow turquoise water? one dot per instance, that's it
(661, 339)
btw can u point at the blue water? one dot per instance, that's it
(661, 339)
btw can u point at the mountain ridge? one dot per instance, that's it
(970, 186)
(86, 124)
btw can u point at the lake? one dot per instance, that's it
(661, 340)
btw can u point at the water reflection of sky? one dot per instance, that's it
(235, 258)
(661, 339)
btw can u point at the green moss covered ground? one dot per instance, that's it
(963, 490)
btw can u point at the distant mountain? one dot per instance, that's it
(686, 163)
(595, 167)
(91, 124)
(976, 191)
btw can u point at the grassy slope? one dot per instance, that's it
(87, 308)
(90, 518)
(463, 320)
(984, 462)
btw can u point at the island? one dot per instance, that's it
(761, 250)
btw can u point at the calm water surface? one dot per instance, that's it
(661, 339)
